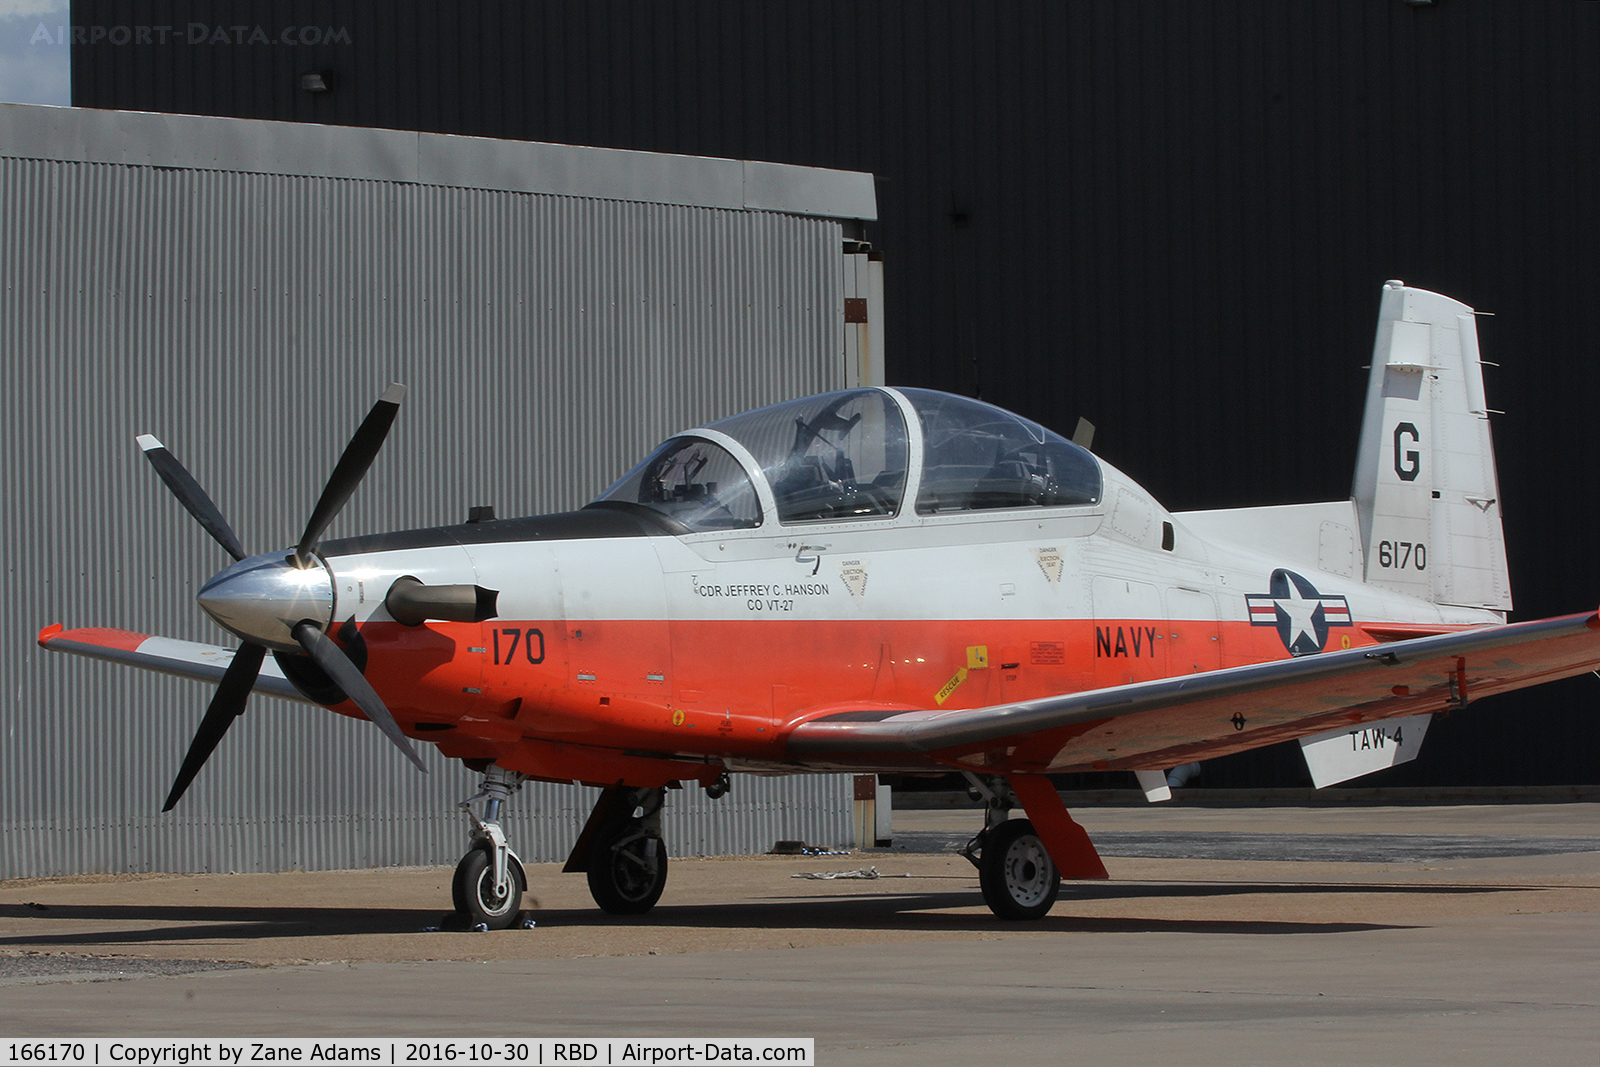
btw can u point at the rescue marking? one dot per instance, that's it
(950, 687)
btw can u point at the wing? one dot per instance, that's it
(186, 659)
(1165, 723)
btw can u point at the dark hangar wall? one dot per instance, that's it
(1170, 217)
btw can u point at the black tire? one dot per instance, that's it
(627, 879)
(473, 891)
(1018, 879)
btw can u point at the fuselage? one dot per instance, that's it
(628, 645)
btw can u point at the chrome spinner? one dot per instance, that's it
(263, 598)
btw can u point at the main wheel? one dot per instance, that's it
(1015, 872)
(627, 878)
(476, 895)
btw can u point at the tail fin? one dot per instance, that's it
(1425, 488)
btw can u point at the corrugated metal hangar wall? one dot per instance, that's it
(245, 290)
(1168, 216)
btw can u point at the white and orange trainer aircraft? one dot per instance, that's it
(892, 580)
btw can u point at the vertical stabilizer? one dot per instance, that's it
(1425, 489)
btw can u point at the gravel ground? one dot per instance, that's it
(1335, 848)
(37, 968)
(1172, 870)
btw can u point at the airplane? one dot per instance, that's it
(890, 580)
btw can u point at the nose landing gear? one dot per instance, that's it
(489, 881)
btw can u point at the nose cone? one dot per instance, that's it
(263, 598)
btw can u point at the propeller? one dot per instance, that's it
(331, 658)
(278, 603)
(190, 495)
(351, 468)
(227, 704)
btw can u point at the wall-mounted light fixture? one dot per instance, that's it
(316, 82)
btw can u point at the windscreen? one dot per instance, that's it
(694, 481)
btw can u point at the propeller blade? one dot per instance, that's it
(331, 658)
(351, 468)
(226, 705)
(190, 495)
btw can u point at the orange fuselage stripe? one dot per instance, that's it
(735, 688)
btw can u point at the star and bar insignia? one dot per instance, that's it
(1301, 614)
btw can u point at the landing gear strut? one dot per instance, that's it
(489, 880)
(1015, 872)
(621, 850)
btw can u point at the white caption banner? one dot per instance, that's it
(409, 1052)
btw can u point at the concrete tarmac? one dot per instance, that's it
(1479, 952)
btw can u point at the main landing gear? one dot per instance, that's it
(1016, 874)
(489, 880)
(621, 851)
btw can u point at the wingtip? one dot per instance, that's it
(148, 442)
(394, 394)
(49, 632)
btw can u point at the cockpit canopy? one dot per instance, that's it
(977, 457)
(845, 456)
(834, 456)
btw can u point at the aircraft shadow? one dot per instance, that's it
(866, 910)
(213, 923)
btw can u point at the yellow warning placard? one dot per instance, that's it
(950, 687)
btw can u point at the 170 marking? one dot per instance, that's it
(532, 645)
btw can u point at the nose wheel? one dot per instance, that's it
(489, 881)
(480, 897)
